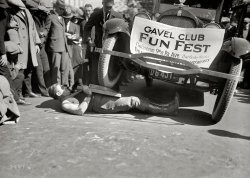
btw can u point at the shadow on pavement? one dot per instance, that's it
(51, 104)
(185, 116)
(136, 118)
(243, 96)
(194, 117)
(224, 133)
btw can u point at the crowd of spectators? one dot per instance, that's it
(43, 43)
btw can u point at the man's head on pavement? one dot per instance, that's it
(107, 5)
(59, 7)
(57, 91)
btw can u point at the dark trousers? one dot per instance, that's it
(59, 68)
(27, 86)
(43, 71)
(16, 84)
(93, 67)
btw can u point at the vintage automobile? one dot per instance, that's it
(219, 78)
(240, 13)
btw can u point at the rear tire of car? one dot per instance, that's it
(225, 94)
(109, 76)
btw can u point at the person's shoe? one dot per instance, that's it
(21, 96)
(22, 102)
(33, 95)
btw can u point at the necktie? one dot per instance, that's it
(107, 16)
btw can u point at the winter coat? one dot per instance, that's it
(28, 37)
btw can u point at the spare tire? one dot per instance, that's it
(109, 68)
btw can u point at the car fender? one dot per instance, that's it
(236, 47)
(116, 25)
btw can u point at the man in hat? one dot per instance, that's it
(97, 19)
(104, 100)
(29, 42)
(40, 14)
(56, 46)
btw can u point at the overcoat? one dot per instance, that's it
(28, 37)
(97, 20)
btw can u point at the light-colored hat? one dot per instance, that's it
(17, 3)
(46, 3)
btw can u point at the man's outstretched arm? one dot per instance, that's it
(72, 106)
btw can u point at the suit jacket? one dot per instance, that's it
(97, 20)
(28, 37)
(55, 34)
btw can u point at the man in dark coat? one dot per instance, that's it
(56, 45)
(97, 19)
(16, 83)
(40, 13)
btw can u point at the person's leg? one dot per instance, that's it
(18, 81)
(78, 74)
(94, 68)
(108, 104)
(65, 68)
(71, 75)
(55, 60)
(39, 73)
(46, 67)
(4, 71)
(85, 73)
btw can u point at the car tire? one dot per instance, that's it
(109, 70)
(225, 93)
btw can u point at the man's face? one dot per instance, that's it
(88, 11)
(107, 8)
(59, 90)
(59, 10)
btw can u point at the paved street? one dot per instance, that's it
(47, 143)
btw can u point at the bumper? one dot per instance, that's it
(168, 64)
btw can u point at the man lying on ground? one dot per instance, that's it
(106, 101)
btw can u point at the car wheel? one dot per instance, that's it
(109, 69)
(226, 93)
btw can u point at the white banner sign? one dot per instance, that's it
(196, 45)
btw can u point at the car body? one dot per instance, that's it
(219, 78)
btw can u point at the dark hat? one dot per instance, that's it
(3, 4)
(108, 2)
(60, 3)
(40, 8)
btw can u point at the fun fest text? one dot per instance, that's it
(196, 45)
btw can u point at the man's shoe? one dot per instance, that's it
(22, 102)
(33, 95)
(21, 96)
